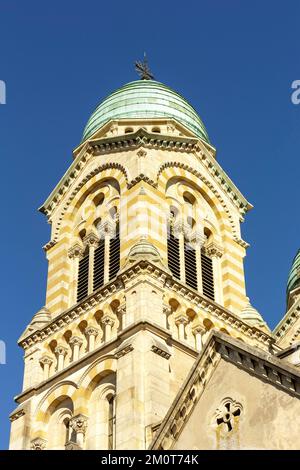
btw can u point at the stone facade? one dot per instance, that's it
(105, 360)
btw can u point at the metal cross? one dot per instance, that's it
(143, 69)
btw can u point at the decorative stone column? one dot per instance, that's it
(198, 332)
(79, 425)
(108, 322)
(38, 444)
(91, 240)
(75, 253)
(215, 251)
(121, 312)
(181, 320)
(46, 362)
(91, 333)
(75, 343)
(166, 312)
(61, 353)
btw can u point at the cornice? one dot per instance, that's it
(287, 321)
(260, 364)
(113, 287)
(142, 138)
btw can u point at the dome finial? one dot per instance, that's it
(143, 69)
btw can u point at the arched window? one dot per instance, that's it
(111, 423)
(83, 277)
(128, 130)
(114, 254)
(156, 130)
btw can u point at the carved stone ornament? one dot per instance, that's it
(197, 237)
(91, 239)
(46, 360)
(79, 424)
(142, 153)
(76, 340)
(76, 251)
(61, 350)
(107, 228)
(171, 128)
(108, 319)
(38, 444)
(113, 129)
(91, 331)
(213, 249)
(181, 318)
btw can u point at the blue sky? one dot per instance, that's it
(233, 60)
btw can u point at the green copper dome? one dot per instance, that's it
(294, 276)
(145, 99)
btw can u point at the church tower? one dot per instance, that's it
(145, 260)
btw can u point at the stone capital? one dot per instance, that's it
(91, 239)
(214, 250)
(107, 228)
(181, 318)
(76, 251)
(198, 238)
(108, 319)
(76, 340)
(79, 423)
(38, 444)
(46, 360)
(198, 329)
(91, 331)
(61, 350)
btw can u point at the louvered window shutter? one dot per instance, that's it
(83, 278)
(173, 255)
(207, 276)
(190, 266)
(114, 255)
(99, 265)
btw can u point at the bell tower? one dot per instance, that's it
(145, 258)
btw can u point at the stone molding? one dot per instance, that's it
(161, 352)
(123, 350)
(147, 267)
(38, 444)
(219, 346)
(16, 415)
(290, 318)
